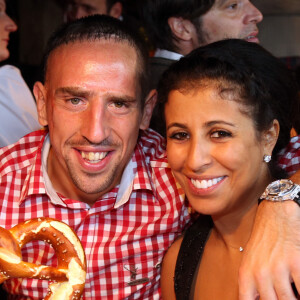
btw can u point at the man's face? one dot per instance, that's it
(82, 8)
(7, 25)
(229, 19)
(91, 104)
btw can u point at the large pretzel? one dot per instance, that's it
(68, 277)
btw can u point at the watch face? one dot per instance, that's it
(280, 186)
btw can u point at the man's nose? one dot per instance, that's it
(11, 26)
(94, 126)
(253, 14)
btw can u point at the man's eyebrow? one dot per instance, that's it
(75, 91)
(79, 92)
(122, 98)
(220, 2)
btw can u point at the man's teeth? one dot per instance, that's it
(93, 156)
(204, 184)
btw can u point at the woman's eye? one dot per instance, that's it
(179, 136)
(220, 134)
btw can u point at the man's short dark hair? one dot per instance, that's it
(156, 13)
(101, 27)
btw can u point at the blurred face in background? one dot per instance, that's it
(81, 8)
(229, 19)
(7, 25)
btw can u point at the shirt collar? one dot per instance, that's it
(136, 176)
(55, 199)
(167, 54)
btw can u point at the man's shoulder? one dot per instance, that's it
(10, 71)
(157, 66)
(22, 153)
(161, 62)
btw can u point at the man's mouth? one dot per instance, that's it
(204, 184)
(252, 37)
(93, 157)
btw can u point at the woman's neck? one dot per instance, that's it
(234, 230)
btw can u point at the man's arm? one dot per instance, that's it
(296, 177)
(272, 257)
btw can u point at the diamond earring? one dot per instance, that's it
(267, 158)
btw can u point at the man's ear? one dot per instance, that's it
(148, 109)
(181, 28)
(40, 97)
(270, 137)
(116, 10)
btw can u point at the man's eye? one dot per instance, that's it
(88, 9)
(233, 6)
(119, 104)
(75, 101)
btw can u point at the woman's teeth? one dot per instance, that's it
(204, 184)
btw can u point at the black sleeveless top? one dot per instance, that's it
(190, 254)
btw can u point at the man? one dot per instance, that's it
(96, 167)
(81, 8)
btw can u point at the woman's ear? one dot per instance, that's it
(148, 109)
(40, 97)
(270, 137)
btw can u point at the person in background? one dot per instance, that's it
(18, 114)
(75, 9)
(176, 27)
(229, 109)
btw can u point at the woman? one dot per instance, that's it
(229, 108)
(18, 114)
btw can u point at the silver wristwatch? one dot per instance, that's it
(281, 190)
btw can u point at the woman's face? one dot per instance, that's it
(7, 25)
(214, 151)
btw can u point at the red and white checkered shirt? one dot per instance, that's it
(290, 158)
(124, 239)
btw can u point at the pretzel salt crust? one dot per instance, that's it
(68, 277)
